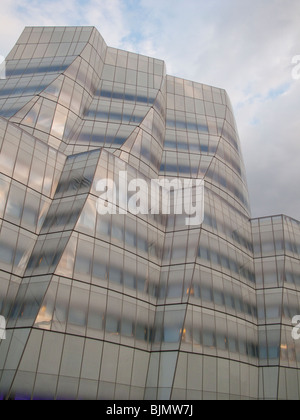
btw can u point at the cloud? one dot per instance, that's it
(106, 15)
(271, 152)
(245, 47)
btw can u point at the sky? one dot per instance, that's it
(251, 48)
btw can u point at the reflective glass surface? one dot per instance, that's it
(127, 304)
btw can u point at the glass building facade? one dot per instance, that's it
(133, 306)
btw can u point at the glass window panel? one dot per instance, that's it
(219, 297)
(108, 72)
(222, 342)
(59, 121)
(206, 293)
(72, 356)
(61, 307)
(100, 269)
(84, 257)
(112, 324)
(171, 334)
(31, 211)
(31, 303)
(46, 116)
(103, 225)
(7, 157)
(120, 75)
(15, 202)
(129, 280)
(45, 315)
(127, 327)
(4, 188)
(78, 308)
(36, 177)
(22, 166)
(87, 220)
(115, 275)
(91, 359)
(209, 339)
(97, 307)
(23, 251)
(232, 344)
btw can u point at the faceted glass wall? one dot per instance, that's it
(127, 304)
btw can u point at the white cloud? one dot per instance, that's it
(245, 47)
(106, 15)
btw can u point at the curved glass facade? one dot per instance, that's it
(126, 304)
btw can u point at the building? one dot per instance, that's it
(133, 306)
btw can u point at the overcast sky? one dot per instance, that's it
(244, 46)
